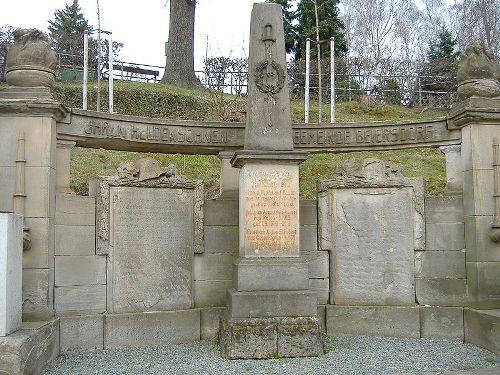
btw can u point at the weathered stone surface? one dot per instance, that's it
(322, 289)
(319, 264)
(445, 209)
(308, 238)
(30, 349)
(123, 330)
(373, 320)
(80, 270)
(37, 294)
(269, 121)
(7, 187)
(152, 249)
(267, 304)
(322, 317)
(63, 157)
(477, 146)
(229, 176)
(211, 293)
(39, 152)
(81, 333)
(221, 239)
(442, 322)
(300, 337)
(30, 61)
(454, 169)
(41, 232)
(221, 212)
(251, 274)
(482, 328)
(40, 193)
(478, 193)
(270, 338)
(78, 300)
(478, 246)
(213, 266)
(440, 264)
(441, 292)
(269, 210)
(210, 321)
(75, 240)
(483, 284)
(11, 249)
(74, 209)
(308, 212)
(373, 259)
(445, 236)
(478, 72)
(168, 183)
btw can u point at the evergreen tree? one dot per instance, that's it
(66, 32)
(330, 25)
(444, 47)
(301, 24)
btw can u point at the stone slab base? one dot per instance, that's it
(30, 349)
(138, 329)
(391, 321)
(264, 338)
(482, 328)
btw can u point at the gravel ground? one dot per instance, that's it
(346, 355)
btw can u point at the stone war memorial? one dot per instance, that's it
(146, 259)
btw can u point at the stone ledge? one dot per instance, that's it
(482, 328)
(30, 349)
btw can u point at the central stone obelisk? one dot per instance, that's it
(271, 311)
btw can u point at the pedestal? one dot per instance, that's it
(271, 312)
(11, 250)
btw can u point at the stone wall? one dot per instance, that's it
(81, 276)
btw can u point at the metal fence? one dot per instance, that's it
(405, 90)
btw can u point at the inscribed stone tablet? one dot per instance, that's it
(372, 260)
(269, 210)
(152, 238)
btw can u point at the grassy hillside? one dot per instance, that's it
(158, 100)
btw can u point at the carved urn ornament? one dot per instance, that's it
(478, 73)
(30, 61)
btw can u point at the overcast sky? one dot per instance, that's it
(144, 29)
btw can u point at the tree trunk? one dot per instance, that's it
(179, 65)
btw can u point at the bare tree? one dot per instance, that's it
(370, 25)
(179, 64)
(477, 21)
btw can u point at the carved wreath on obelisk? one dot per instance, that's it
(269, 77)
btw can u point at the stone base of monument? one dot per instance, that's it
(26, 93)
(265, 338)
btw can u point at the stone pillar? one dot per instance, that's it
(11, 249)
(479, 119)
(28, 110)
(229, 176)
(271, 311)
(63, 161)
(478, 115)
(454, 170)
